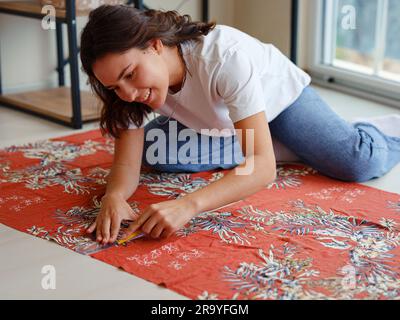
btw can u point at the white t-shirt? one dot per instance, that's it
(233, 76)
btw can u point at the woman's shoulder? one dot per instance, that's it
(218, 43)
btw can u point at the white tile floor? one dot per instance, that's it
(80, 277)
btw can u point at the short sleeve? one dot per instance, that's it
(239, 85)
(133, 126)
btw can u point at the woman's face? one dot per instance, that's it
(136, 75)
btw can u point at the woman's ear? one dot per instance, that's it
(156, 45)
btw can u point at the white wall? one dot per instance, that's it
(192, 7)
(223, 11)
(28, 53)
(306, 22)
(267, 20)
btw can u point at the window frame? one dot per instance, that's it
(320, 51)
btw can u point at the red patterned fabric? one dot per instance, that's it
(305, 236)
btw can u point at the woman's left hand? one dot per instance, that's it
(163, 219)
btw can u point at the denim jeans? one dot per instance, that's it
(312, 131)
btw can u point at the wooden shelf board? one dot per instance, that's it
(55, 103)
(35, 8)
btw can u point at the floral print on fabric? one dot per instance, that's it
(304, 236)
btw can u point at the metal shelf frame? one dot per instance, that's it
(72, 60)
(70, 21)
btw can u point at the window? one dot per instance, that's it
(357, 44)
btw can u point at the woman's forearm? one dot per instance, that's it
(234, 187)
(122, 181)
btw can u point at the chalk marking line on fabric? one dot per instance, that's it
(135, 235)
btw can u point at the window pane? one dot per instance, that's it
(391, 64)
(355, 47)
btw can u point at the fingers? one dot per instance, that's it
(166, 233)
(133, 215)
(99, 237)
(137, 224)
(131, 229)
(91, 228)
(115, 225)
(150, 224)
(106, 230)
(157, 230)
(153, 222)
(108, 221)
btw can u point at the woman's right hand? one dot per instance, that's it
(114, 209)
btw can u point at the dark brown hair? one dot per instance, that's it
(118, 28)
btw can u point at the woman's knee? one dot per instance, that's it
(362, 168)
(357, 173)
(372, 156)
(362, 156)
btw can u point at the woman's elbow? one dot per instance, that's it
(268, 173)
(263, 169)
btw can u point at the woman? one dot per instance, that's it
(209, 76)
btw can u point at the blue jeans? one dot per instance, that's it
(311, 130)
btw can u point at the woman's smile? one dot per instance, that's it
(146, 97)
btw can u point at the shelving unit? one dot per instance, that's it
(69, 105)
(65, 105)
(54, 104)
